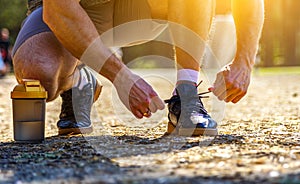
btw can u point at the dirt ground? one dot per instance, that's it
(258, 141)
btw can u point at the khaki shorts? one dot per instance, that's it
(107, 14)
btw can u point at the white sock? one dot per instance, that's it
(187, 75)
(82, 79)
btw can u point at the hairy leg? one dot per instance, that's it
(43, 58)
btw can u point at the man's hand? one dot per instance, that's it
(143, 100)
(137, 95)
(232, 82)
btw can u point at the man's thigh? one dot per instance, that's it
(37, 54)
(42, 57)
(159, 9)
(101, 12)
(32, 25)
(107, 14)
(130, 10)
(37, 44)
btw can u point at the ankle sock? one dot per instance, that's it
(186, 75)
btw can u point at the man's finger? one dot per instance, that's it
(231, 96)
(147, 113)
(219, 89)
(152, 107)
(159, 103)
(238, 98)
(137, 114)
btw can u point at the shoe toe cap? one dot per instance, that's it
(204, 122)
(66, 124)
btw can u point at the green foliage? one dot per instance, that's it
(12, 13)
(294, 70)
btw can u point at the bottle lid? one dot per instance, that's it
(29, 89)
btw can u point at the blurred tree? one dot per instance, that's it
(267, 41)
(12, 13)
(280, 44)
(290, 24)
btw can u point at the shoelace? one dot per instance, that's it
(177, 98)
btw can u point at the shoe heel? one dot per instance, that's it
(75, 131)
(97, 91)
(171, 129)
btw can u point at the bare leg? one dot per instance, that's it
(187, 115)
(190, 22)
(43, 58)
(196, 15)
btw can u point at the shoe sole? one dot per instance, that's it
(190, 132)
(74, 131)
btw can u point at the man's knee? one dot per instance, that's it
(28, 69)
(41, 58)
(194, 14)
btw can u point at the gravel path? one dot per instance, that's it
(258, 141)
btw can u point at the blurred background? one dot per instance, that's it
(280, 42)
(279, 45)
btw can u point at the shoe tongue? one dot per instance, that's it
(186, 90)
(190, 100)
